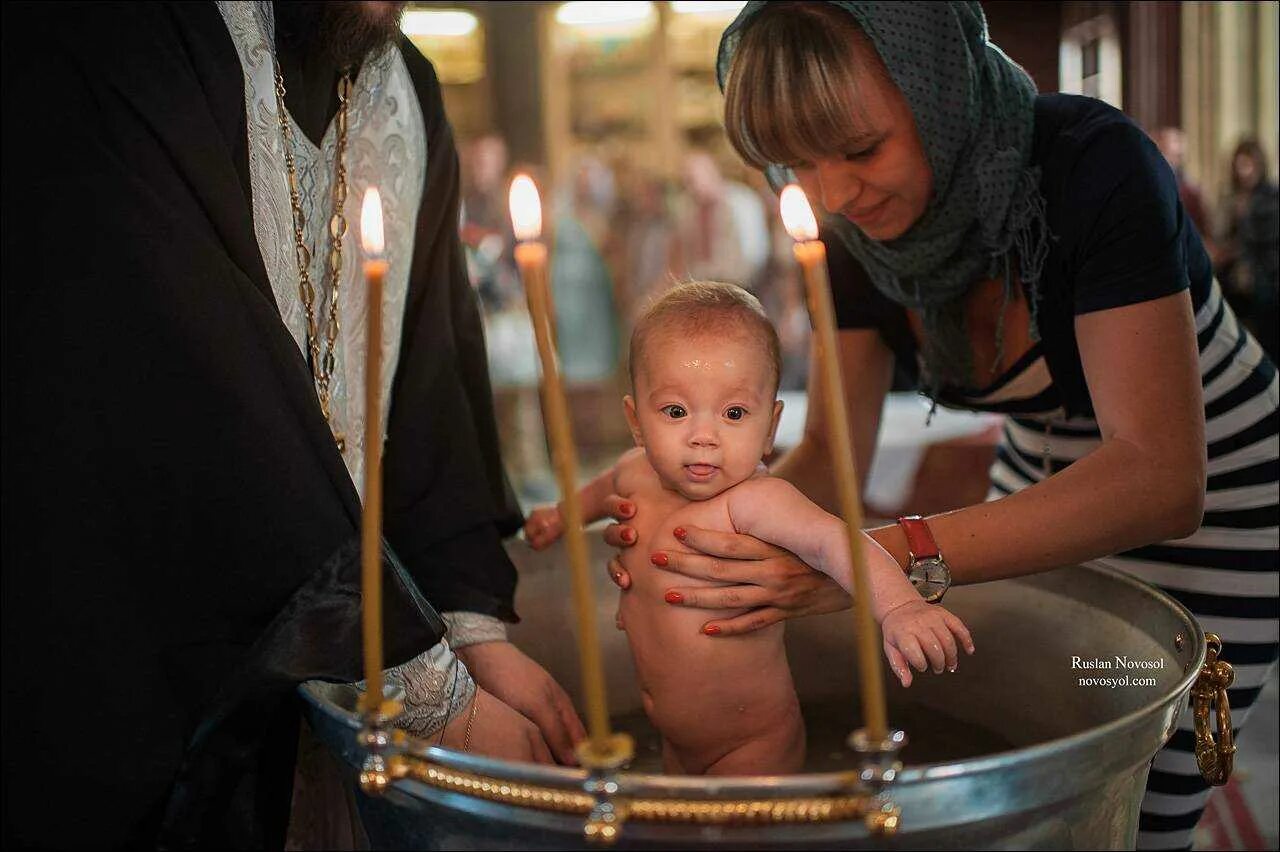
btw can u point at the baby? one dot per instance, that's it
(704, 373)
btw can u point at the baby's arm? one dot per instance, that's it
(546, 523)
(915, 633)
(923, 635)
(773, 510)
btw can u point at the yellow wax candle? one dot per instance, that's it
(375, 269)
(812, 255)
(531, 258)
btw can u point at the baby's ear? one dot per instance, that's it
(629, 408)
(773, 427)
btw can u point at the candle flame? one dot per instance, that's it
(797, 215)
(526, 208)
(371, 223)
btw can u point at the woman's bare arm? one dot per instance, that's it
(1144, 483)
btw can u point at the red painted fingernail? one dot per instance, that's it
(711, 629)
(659, 559)
(673, 597)
(679, 533)
(626, 508)
(628, 535)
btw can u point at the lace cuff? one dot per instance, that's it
(437, 687)
(472, 628)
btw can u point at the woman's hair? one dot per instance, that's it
(794, 54)
(1250, 148)
(697, 308)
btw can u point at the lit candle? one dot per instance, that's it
(800, 223)
(531, 257)
(375, 269)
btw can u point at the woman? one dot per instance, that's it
(1249, 261)
(1029, 255)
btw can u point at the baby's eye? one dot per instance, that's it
(675, 412)
(736, 412)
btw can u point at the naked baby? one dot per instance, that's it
(703, 412)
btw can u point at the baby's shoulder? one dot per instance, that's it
(761, 484)
(633, 472)
(717, 512)
(761, 495)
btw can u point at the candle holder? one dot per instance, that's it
(379, 740)
(879, 769)
(607, 814)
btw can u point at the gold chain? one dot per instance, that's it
(322, 367)
(471, 720)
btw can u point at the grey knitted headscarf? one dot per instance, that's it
(974, 109)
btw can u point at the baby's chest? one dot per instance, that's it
(659, 513)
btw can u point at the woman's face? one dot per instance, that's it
(880, 180)
(1246, 170)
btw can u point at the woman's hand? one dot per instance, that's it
(773, 583)
(496, 731)
(619, 534)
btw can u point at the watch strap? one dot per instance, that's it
(920, 540)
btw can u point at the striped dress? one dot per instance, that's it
(1225, 572)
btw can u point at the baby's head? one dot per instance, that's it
(704, 376)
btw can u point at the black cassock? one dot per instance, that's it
(180, 534)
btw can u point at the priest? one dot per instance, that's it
(183, 318)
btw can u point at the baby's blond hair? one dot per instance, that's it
(702, 307)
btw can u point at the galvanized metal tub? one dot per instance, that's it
(1013, 751)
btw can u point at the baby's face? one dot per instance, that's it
(704, 410)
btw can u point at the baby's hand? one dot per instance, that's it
(544, 525)
(924, 635)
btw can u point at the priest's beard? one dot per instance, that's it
(346, 31)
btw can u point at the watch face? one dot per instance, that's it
(931, 577)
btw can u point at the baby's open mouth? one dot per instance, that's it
(701, 471)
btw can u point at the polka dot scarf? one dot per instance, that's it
(974, 109)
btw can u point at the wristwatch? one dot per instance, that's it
(927, 571)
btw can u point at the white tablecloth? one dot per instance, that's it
(902, 443)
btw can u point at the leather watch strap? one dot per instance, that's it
(919, 539)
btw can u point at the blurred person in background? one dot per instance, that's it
(644, 228)
(1172, 143)
(722, 226)
(1248, 260)
(486, 227)
(581, 283)
(780, 290)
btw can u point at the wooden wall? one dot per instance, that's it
(1028, 30)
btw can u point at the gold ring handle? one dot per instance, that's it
(1214, 758)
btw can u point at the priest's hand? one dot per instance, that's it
(505, 671)
(489, 727)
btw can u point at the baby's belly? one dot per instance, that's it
(700, 691)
